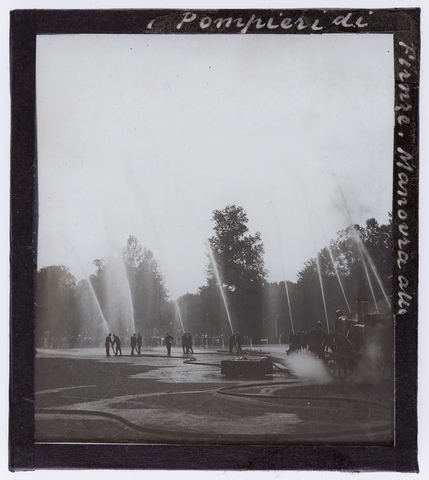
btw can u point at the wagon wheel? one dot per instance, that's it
(338, 355)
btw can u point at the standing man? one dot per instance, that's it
(341, 323)
(108, 344)
(117, 342)
(168, 340)
(133, 343)
(189, 344)
(292, 345)
(139, 344)
(238, 343)
(231, 343)
(185, 346)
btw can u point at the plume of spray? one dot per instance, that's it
(323, 291)
(317, 255)
(374, 270)
(176, 303)
(118, 281)
(363, 251)
(217, 274)
(128, 291)
(131, 180)
(93, 294)
(359, 245)
(334, 264)
(118, 302)
(122, 290)
(357, 241)
(97, 303)
(308, 367)
(283, 269)
(369, 368)
(184, 195)
(337, 274)
(350, 220)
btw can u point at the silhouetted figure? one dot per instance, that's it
(341, 323)
(315, 339)
(139, 343)
(231, 343)
(117, 344)
(133, 343)
(298, 344)
(189, 344)
(108, 344)
(292, 343)
(238, 343)
(168, 340)
(185, 344)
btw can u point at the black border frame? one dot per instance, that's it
(24, 453)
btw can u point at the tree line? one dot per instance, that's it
(236, 297)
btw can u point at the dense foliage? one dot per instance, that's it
(125, 287)
(355, 265)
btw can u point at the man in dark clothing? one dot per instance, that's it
(238, 343)
(341, 323)
(189, 344)
(315, 339)
(139, 344)
(133, 343)
(231, 343)
(292, 345)
(108, 344)
(168, 340)
(185, 344)
(117, 343)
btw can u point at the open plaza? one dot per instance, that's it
(83, 396)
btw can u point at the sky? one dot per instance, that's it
(146, 135)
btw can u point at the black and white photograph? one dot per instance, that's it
(224, 230)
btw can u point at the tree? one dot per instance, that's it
(365, 255)
(240, 267)
(239, 256)
(133, 253)
(362, 262)
(56, 317)
(147, 283)
(190, 307)
(131, 285)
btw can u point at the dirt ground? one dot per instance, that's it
(83, 396)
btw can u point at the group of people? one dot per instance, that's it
(208, 340)
(297, 341)
(187, 343)
(115, 344)
(235, 343)
(136, 344)
(312, 341)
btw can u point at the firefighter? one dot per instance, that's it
(168, 341)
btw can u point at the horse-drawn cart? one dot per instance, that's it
(368, 343)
